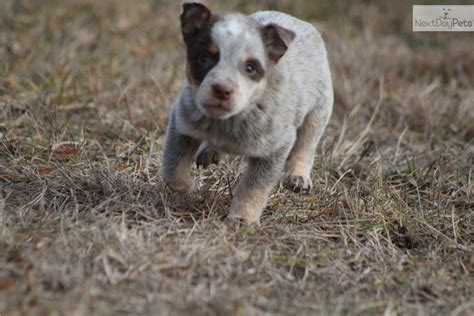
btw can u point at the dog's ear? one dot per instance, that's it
(276, 40)
(193, 18)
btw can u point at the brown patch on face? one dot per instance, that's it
(261, 86)
(213, 49)
(258, 72)
(201, 52)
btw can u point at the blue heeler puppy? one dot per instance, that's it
(257, 86)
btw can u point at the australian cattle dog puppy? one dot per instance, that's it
(257, 86)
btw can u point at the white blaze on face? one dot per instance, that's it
(233, 27)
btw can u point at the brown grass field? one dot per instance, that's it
(87, 226)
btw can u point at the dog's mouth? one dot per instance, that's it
(217, 109)
(218, 104)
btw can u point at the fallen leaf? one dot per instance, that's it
(14, 255)
(6, 284)
(45, 170)
(66, 149)
(120, 167)
(142, 51)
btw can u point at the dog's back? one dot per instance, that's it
(304, 66)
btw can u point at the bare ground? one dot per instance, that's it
(86, 225)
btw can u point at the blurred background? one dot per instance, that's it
(126, 61)
(86, 225)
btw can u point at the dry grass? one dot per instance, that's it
(86, 226)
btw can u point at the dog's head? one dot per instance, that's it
(229, 58)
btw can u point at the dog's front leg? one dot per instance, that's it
(178, 157)
(254, 188)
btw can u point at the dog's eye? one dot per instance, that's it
(250, 68)
(205, 59)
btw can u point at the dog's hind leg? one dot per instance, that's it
(206, 156)
(300, 161)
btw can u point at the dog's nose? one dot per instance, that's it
(221, 92)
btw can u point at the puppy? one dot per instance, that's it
(258, 86)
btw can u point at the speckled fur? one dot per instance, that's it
(278, 129)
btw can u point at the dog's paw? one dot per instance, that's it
(239, 222)
(235, 222)
(183, 185)
(299, 183)
(207, 157)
